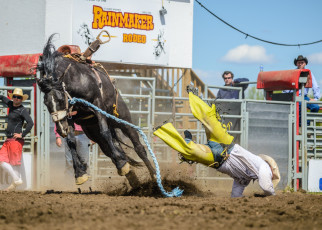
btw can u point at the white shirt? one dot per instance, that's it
(243, 166)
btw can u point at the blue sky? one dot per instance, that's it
(217, 47)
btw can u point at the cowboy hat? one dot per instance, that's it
(276, 172)
(300, 58)
(18, 92)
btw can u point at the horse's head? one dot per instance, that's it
(55, 97)
(57, 104)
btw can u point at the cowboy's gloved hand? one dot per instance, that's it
(192, 89)
(183, 159)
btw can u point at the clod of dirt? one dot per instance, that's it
(151, 189)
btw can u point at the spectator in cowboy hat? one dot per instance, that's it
(301, 63)
(300, 58)
(11, 151)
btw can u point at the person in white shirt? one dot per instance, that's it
(220, 152)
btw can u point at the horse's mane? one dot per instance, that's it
(47, 64)
(46, 85)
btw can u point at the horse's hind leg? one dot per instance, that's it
(138, 147)
(121, 164)
(130, 176)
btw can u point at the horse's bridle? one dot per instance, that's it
(61, 114)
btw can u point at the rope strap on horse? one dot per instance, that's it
(177, 192)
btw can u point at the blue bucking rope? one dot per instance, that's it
(175, 192)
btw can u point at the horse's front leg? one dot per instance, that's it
(118, 157)
(79, 166)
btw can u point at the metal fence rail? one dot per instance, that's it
(250, 122)
(263, 127)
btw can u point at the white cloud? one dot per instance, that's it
(209, 77)
(207, 74)
(248, 54)
(315, 58)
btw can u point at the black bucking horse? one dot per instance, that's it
(61, 78)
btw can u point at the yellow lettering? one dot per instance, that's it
(123, 20)
(150, 25)
(137, 21)
(143, 22)
(131, 21)
(118, 19)
(125, 38)
(135, 38)
(115, 19)
(109, 21)
(104, 19)
(97, 20)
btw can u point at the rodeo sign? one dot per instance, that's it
(137, 28)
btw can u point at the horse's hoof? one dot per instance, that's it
(82, 179)
(124, 170)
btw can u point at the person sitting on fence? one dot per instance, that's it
(220, 152)
(11, 151)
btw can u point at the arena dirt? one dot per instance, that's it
(114, 205)
(145, 208)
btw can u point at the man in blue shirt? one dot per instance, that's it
(228, 77)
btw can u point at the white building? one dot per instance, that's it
(144, 32)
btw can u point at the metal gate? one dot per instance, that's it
(263, 127)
